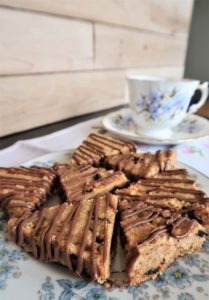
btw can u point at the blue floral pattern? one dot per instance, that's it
(191, 126)
(70, 288)
(46, 164)
(6, 271)
(192, 260)
(80, 289)
(178, 278)
(125, 122)
(206, 245)
(96, 293)
(47, 290)
(135, 291)
(185, 296)
(9, 257)
(160, 106)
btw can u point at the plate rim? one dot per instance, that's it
(58, 152)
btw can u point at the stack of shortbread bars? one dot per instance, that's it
(161, 212)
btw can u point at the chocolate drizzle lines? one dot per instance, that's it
(83, 244)
(146, 214)
(99, 150)
(19, 237)
(60, 235)
(48, 236)
(142, 165)
(96, 147)
(35, 231)
(93, 255)
(53, 236)
(108, 200)
(153, 234)
(108, 142)
(79, 184)
(165, 180)
(176, 228)
(24, 188)
(72, 224)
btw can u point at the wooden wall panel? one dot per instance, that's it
(31, 101)
(60, 59)
(119, 47)
(166, 16)
(51, 44)
(41, 43)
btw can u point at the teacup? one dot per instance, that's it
(159, 104)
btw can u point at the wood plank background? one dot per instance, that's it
(60, 59)
(167, 16)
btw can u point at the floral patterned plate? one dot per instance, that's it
(121, 123)
(23, 277)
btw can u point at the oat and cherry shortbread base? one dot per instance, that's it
(153, 238)
(142, 165)
(173, 189)
(24, 188)
(86, 182)
(96, 147)
(77, 235)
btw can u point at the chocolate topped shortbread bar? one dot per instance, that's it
(173, 189)
(86, 182)
(96, 147)
(76, 235)
(24, 188)
(153, 238)
(142, 165)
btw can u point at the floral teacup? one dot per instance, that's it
(159, 104)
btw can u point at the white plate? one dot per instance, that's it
(23, 277)
(121, 123)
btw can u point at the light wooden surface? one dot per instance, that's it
(166, 16)
(54, 44)
(42, 99)
(119, 47)
(31, 43)
(60, 59)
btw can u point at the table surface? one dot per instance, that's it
(41, 131)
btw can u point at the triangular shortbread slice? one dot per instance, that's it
(24, 188)
(76, 235)
(96, 147)
(86, 182)
(153, 238)
(174, 190)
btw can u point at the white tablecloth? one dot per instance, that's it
(195, 154)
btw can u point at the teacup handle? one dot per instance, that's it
(204, 90)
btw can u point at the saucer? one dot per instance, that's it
(121, 123)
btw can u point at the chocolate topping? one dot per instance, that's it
(173, 189)
(96, 147)
(53, 235)
(180, 226)
(24, 188)
(142, 165)
(86, 183)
